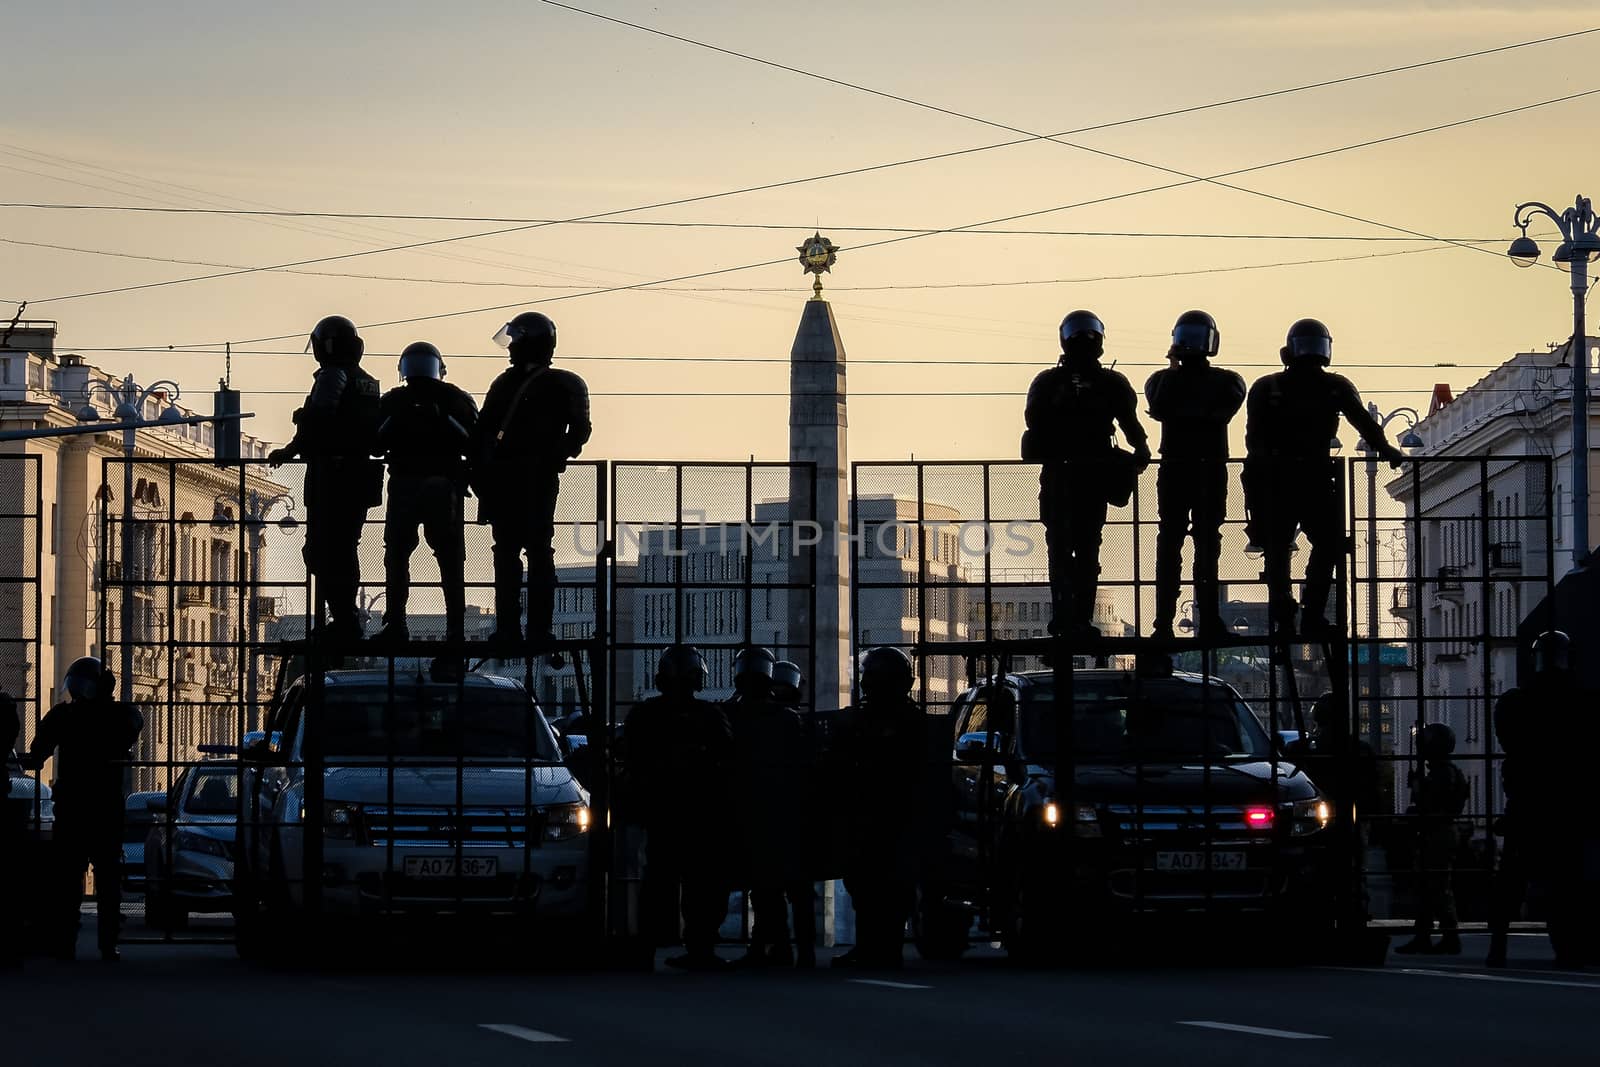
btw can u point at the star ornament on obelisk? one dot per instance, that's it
(817, 255)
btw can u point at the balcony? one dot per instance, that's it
(191, 594)
(1400, 605)
(266, 608)
(220, 678)
(1449, 585)
(1505, 556)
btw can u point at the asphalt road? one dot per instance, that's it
(167, 1004)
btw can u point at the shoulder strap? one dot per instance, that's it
(516, 402)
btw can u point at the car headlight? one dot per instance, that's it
(1086, 821)
(1310, 816)
(565, 821)
(189, 841)
(340, 821)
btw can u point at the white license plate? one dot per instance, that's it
(451, 867)
(1196, 861)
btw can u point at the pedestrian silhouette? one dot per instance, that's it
(90, 735)
(425, 428)
(1439, 795)
(336, 434)
(884, 738)
(1194, 402)
(1071, 411)
(534, 420)
(676, 756)
(768, 740)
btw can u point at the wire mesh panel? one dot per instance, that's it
(25, 670)
(952, 564)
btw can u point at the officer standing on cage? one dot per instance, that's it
(885, 740)
(1290, 478)
(336, 433)
(534, 420)
(1070, 414)
(90, 735)
(1439, 795)
(1543, 828)
(677, 752)
(768, 738)
(425, 433)
(1194, 402)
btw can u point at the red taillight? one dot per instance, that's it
(1258, 818)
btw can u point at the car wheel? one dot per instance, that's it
(941, 931)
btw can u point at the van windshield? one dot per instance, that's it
(1124, 719)
(437, 723)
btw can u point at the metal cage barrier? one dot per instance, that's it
(951, 566)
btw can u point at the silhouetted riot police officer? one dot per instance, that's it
(1194, 402)
(768, 740)
(1544, 819)
(788, 689)
(677, 751)
(1439, 795)
(534, 420)
(424, 431)
(1290, 479)
(336, 434)
(1070, 415)
(884, 739)
(90, 735)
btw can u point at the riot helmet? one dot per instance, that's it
(1195, 334)
(681, 669)
(886, 672)
(1310, 340)
(1437, 741)
(1082, 333)
(786, 682)
(753, 669)
(529, 337)
(335, 340)
(1552, 653)
(421, 360)
(87, 679)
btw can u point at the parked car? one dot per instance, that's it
(188, 856)
(1179, 806)
(136, 821)
(25, 789)
(438, 799)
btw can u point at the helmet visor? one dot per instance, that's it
(506, 336)
(1195, 337)
(82, 686)
(1311, 347)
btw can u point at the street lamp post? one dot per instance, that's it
(1408, 440)
(253, 513)
(1580, 243)
(128, 400)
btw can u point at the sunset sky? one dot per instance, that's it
(529, 111)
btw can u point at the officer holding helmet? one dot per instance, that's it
(336, 434)
(676, 753)
(1543, 823)
(425, 431)
(534, 420)
(1071, 410)
(1290, 479)
(1194, 403)
(885, 739)
(1439, 795)
(768, 741)
(90, 735)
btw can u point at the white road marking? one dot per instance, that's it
(1473, 976)
(538, 1037)
(885, 983)
(1258, 1031)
